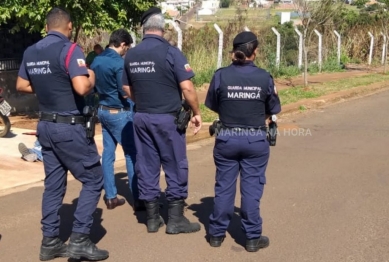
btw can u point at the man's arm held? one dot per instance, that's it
(24, 86)
(190, 96)
(128, 92)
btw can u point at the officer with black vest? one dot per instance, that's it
(244, 96)
(155, 76)
(55, 70)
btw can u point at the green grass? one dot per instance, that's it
(297, 93)
(252, 15)
(231, 12)
(207, 115)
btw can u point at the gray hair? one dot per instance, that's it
(154, 23)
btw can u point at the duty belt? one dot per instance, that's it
(239, 129)
(53, 117)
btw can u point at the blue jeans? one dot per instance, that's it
(118, 128)
(37, 149)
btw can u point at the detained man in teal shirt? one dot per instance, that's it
(115, 112)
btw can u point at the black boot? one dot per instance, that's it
(253, 245)
(51, 248)
(154, 219)
(216, 241)
(178, 223)
(80, 246)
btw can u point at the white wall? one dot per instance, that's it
(205, 11)
(210, 4)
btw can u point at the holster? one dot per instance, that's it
(272, 133)
(215, 127)
(183, 117)
(90, 115)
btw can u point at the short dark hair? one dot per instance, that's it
(97, 46)
(57, 18)
(119, 36)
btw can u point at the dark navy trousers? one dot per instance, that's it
(66, 148)
(247, 155)
(158, 142)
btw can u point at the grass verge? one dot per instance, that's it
(294, 94)
(297, 93)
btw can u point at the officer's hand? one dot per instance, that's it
(196, 121)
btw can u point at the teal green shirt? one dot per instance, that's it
(90, 57)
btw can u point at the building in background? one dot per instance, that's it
(209, 7)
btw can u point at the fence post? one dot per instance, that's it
(383, 49)
(133, 39)
(300, 58)
(278, 54)
(339, 44)
(179, 32)
(371, 48)
(319, 48)
(220, 53)
(246, 29)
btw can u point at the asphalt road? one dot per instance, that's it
(326, 199)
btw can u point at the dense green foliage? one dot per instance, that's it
(87, 15)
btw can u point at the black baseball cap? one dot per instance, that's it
(244, 38)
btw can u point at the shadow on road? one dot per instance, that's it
(10, 135)
(121, 181)
(203, 210)
(67, 217)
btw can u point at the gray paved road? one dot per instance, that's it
(327, 199)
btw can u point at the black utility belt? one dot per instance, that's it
(250, 129)
(114, 109)
(55, 118)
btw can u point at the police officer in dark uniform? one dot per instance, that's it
(55, 70)
(155, 76)
(244, 96)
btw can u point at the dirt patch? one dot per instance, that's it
(6, 167)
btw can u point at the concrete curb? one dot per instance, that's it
(202, 134)
(308, 104)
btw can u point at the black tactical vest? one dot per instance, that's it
(155, 88)
(50, 81)
(242, 97)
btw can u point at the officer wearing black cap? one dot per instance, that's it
(244, 96)
(155, 76)
(55, 70)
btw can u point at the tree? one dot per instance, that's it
(225, 3)
(312, 14)
(87, 15)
